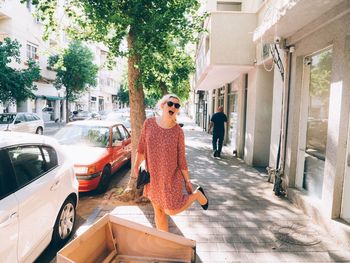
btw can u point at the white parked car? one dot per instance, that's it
(38, 196)
(21, 122)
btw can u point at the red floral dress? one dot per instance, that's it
(164, 151)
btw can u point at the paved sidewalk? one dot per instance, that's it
(245, 222)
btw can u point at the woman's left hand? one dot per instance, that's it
(189, 188)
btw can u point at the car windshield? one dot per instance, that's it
(7, 118)
(121, 118)
(93, 136)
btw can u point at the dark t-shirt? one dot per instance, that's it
(219, 120)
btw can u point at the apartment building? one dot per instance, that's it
(17, 22)
(280, 69)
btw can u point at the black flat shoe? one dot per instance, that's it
(205, 207)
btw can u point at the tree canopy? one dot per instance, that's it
(16, 84)
(154, 30)
(75, 69)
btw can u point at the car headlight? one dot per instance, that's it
(80, 169)
(85, 169)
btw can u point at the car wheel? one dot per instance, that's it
(104, 182)
(39, 130)
(64, 224)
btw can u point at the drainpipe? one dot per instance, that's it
(290, 55)
(280, 166)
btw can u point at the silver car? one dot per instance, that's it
(38, 196)
(21, 122)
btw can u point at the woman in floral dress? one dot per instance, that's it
(162, 145)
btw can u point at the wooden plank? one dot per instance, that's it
(63, 259)
(91, 246)
(152, 231)
(138, 243)
(110, 257)
(135, 259)
(111, 241)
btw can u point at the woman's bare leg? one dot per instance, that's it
(196, 195)
(160, 218)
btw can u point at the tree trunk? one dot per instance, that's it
(67, 106)
(163, 88)
(137, 114)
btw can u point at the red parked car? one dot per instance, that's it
(97, 149)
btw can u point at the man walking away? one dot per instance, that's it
(218, 121)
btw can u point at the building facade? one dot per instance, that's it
(17, 22)
(288, 102)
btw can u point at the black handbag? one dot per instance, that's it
(143, 178)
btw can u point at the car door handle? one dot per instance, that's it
(6, 221)
(55, 185)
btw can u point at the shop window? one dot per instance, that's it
(317, 122)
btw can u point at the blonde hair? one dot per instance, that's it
(165, 98)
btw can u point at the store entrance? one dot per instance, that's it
(318, 69)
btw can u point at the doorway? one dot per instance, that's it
(345, 210)
(314, 122)
(232, 113)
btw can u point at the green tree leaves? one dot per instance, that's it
(75, 70)
(16, 84)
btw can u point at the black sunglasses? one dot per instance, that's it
(170, 104)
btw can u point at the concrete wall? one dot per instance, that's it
(264, 91)
(276, 117)
(230, 32)
(250, 118)
(332, 31)
(259, 112)
(334, 34)
(278, 87)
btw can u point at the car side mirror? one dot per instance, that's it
(17, 121)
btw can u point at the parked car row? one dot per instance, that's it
(84, 115)
(40, 177)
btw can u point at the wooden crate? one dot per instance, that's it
(116, 240)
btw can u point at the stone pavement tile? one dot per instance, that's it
(267, 247)
(207, 247)
(334, 256)
(266, 257)
(226, 247)
(244, 247)
(233, 238)
(220, 257)
(213, 238)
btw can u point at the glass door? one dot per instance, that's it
(317, 122)
(232, 120)
(345, 210)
